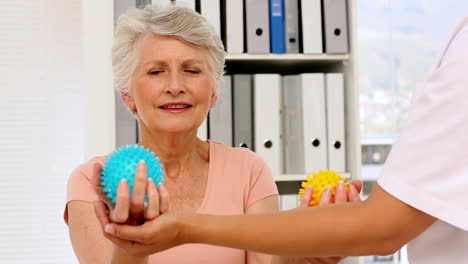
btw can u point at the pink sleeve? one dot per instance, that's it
(262, 183)
(79, 187)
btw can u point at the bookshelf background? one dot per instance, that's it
(283, 64)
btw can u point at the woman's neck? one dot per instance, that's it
(175, 150)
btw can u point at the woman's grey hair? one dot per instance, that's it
(173, 21)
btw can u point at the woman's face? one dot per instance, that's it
(172, 86)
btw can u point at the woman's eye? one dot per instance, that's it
(193, 71)
(155, 72)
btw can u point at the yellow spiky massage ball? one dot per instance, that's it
(319, 181)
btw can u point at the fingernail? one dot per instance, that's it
(123, 180)
(109, 229)
(327, 189)
(340, 185)
(142, 163)
(352, 188)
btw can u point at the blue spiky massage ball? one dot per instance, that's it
(122, 163)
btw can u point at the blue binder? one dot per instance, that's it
(277, 26)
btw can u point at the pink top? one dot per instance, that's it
(237, 178)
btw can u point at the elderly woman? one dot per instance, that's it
(167, 65)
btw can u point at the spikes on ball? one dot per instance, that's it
(122, 163)
(319, 181)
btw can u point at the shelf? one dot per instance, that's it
(378, 140)
(330, 58)
(284, 63)
(301, 177)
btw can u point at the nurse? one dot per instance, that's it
(421, 198)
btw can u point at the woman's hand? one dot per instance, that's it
(341, 196)
(129, 210)
(132, 210)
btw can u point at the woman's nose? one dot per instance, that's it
(175, 85)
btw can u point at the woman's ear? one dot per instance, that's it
(128, 101)
(214, 99)
(214, 96)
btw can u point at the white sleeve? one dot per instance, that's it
(428, 166)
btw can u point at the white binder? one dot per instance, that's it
(202, 132)
(234, 26)
(335, 26)
(293, 146)
(257, 26)
(288, 201)
(220, 119)
(211, 10)
(242, 109)
(311, 26)
(291, 25)
(335, 121)
(314, 122)
(267, 89)
(185, 3)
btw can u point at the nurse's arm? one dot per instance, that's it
(380, 225)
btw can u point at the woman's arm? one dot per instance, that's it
(378, 226)
(88, 241)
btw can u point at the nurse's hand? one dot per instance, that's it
(131, 210)
(341, 196)
(146, 239)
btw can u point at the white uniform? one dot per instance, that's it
(428, 166)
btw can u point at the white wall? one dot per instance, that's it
(98, 27)
(42, 123)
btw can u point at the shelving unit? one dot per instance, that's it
(285, 64)
(290, 58)
(301, 177)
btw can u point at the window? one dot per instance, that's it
(398, 40)
(41, 126)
